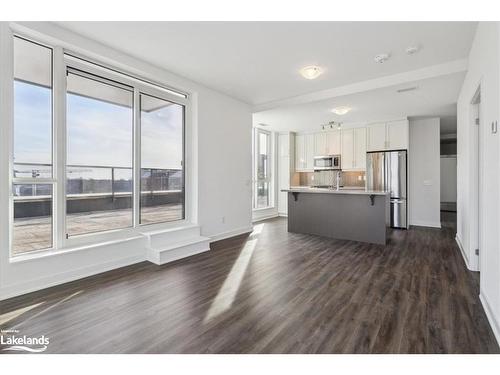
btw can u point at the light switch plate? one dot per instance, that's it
(427, 182)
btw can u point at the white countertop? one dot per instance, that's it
(305, 189)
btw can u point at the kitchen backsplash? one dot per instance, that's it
(355, 179)
(351, 179)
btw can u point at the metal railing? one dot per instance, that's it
(99, 179)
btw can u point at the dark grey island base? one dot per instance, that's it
(356, 215)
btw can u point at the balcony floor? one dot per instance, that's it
(35, 233)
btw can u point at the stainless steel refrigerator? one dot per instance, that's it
(387, 171)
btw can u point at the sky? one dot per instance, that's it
(99, 133)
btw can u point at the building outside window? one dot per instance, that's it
(262, 186)
(123, 151)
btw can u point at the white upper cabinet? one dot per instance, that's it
(333, 143)
(397, 135)
(360, 148)
(320, 144)
(304, 152)
(387, 136)
(300, 152)
(309, 152)
(354, 149)
(376, 134)
(327, 143)
(347, 159)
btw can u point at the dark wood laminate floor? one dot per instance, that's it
(273, 292)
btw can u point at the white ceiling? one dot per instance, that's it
(434, 97)
(258, 62)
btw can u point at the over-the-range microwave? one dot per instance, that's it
(330, 162)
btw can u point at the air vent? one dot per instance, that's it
(407, 89)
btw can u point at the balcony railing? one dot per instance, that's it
(95, 188)
(97, 179)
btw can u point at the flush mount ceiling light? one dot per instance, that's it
(382, 58)
(341, 110)
(311, 72)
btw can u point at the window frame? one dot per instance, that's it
(62, 58)
(52, 181)
(137, 212)
(269, 179)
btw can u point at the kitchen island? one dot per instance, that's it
(357, 215)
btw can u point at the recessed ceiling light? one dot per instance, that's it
(382, 58)
(311, 72)
(412, 50)
(341, 110)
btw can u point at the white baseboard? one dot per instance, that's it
(282, 214)
(495, 325)
(65, 277)
(426, 224)
(464, 254)
(231, 233)
(266, 217)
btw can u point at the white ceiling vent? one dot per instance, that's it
(407, 89)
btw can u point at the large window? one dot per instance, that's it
(99, 182)
(162, 177)
(32, 150)
(110, 157)
(262, 169)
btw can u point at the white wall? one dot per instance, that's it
(424, 172)
(225, 165)
(483, 70)
(220, 162)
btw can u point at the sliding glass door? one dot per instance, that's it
(99, 181)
